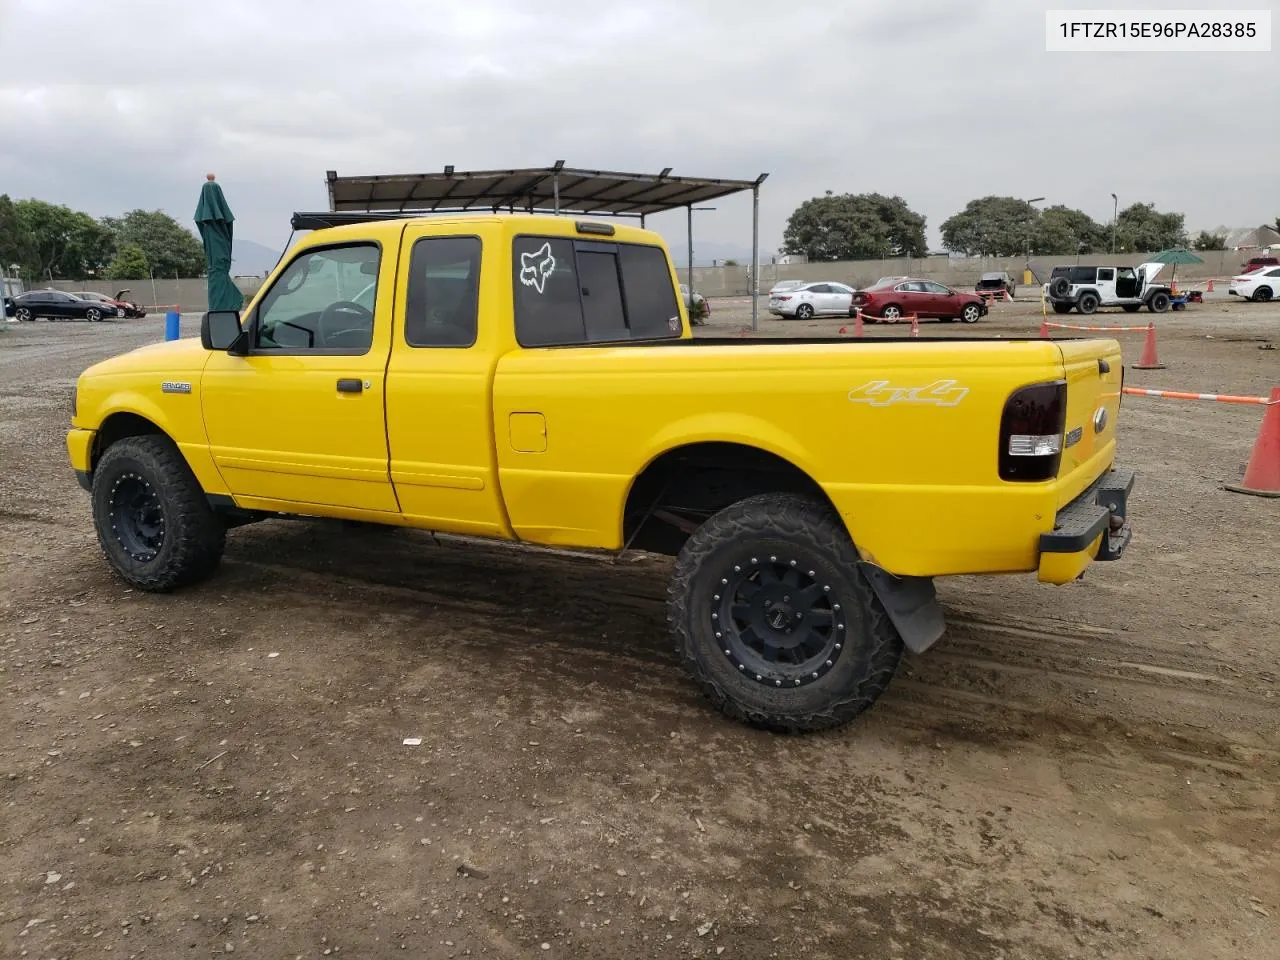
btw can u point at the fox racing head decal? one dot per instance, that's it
(536, 267)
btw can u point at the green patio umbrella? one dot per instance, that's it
(214, 220)
(1175, 256)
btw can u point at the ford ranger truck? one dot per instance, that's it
(534, 379)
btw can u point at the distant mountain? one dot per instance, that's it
(251, 259)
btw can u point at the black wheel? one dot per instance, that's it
(1059, 287)
(1062, 308)
(23, 314)
(93, 314)
(804, 312)
(1159, 302)
(153, 521)
(971, 313)
(1132, 307)
(1262, 294)
(773, 618)
(1087, 303)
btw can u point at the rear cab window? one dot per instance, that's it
(571, 292)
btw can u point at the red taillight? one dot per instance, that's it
(784, 296)
(1031, 431)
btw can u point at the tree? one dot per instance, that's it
(15, 243)
(1210, 241)
(1142, 228)
(991, 227)
(1061, 231)
(847, 226)
(62, 242)
(130, 263)
(170, 248)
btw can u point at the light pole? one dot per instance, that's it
(691, 209)
(1030, 210)
(1115, 218)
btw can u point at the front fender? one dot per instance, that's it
(175, 414)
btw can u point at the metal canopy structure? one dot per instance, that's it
(556, 189)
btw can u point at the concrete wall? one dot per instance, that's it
(190, 294)
(732, 281)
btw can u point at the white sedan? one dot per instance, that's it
(1260, 285)
(813, 299)
(785, 286)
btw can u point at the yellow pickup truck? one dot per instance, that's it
(534, 379)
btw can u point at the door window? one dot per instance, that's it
(1106, 274)
(322, 303)
(441, 308)
(932, 287)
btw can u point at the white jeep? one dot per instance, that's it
(1088, 288)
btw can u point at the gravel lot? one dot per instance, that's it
(1078, 772)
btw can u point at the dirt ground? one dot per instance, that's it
(1076, 772)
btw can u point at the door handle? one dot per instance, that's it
(350, 385)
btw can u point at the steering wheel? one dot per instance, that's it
(345, 324)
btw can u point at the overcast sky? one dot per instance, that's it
(106, 106)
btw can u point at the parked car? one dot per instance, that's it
(1257, 263)
(1088, 288)
(56, 305)
(891, 300)
(997, 282)
(131, 307)
(784, 286)
(1261, 285)
(117, 302)
(813, 299)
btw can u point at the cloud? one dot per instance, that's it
(935, 100)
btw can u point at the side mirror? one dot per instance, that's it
(220, 330)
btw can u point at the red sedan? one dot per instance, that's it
(891, 300)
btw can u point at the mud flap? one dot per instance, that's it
(912, 605)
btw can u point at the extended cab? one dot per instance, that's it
(534, 379)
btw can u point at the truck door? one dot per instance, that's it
(439, 414)
(300, 420)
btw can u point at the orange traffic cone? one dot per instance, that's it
(857, 323)
(1149, 360)
(1209, 288)
(1262, 476)
(1044, 329)
(915, 326)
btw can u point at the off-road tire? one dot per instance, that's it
(192, 535)
(1062, 308)
(1262, 295)
(1158, 302)
(1132, 307)
(1088, 303)
(1059, 287)
(777, 529)
(804, 312)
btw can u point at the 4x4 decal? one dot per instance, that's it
(940, 393)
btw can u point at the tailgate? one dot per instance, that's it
(1094, 371)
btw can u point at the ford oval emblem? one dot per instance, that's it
(1100, 420)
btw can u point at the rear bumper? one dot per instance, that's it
(1094, 526)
